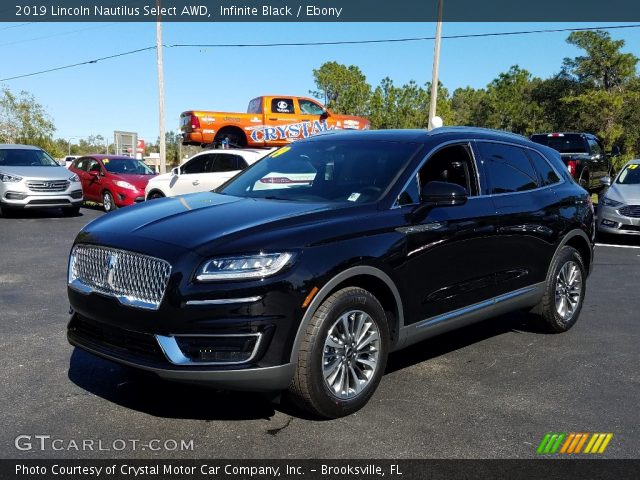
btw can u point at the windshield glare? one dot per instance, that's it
(630, 175)
(127, 166)
(324, 171)
(22, 157)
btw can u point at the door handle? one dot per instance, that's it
(195, 182)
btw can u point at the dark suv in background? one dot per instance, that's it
(583, 154)
(399, 236)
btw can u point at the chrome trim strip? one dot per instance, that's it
(172, 351)
(472, 308)
(85, 289)
(223, 301)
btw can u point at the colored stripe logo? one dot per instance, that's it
(574, 443)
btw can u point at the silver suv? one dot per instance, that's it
(30, 178)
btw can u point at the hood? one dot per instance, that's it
(629, 194)
(191, 221)
(38, 173)
(138, 181)
(165, 177)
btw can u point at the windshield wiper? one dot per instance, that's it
(273, 197)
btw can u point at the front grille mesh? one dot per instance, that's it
(48, 185)
(632, 211)
(132, 278)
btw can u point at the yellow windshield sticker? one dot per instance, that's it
(280, 152)
(105, 160)
(633, 166)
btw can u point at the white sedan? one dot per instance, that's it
(203, 172)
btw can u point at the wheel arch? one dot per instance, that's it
(372, 279)
(580, 241)
(231, 129)
(155, 190)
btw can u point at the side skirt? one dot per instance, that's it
(522, 298)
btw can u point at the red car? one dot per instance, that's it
(112, 180)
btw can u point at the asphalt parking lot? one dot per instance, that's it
(489, 391)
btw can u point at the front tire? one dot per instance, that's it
(564, 293)
(155, 195)
(108, 202)
(343, 355)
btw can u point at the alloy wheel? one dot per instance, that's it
(568, 290)
(351, 353)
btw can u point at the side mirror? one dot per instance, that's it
(175, 171)
(94, 173)
(615, 151)
(441, 194)
(325, 113)
(606, 181)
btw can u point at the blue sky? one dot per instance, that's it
(121, 94)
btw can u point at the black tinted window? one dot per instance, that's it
(199, 164)
(547, 175)
(507, 168)
(225, 163)
(595, 148)
(282, 105)
(562, 142)
(24, 157)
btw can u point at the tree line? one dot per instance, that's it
(597, 92)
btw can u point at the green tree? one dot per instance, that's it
(467, 107)
(343, 89)
(24, 120)
(604, 66)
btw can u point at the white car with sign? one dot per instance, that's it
(203, 172)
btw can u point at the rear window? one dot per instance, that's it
(567, 143)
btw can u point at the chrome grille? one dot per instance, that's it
(632, 211)
(48, 185)
(132, 278)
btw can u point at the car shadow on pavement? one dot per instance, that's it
(519, 321)
(35, 213)
(151, 395)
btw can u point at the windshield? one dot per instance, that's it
(568, 143)
(630, 175)
(22, 157)
(324, 171)
(128, 166)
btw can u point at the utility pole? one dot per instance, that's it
(163, 146)
(434, 72)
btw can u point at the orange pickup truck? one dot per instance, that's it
(270, 121)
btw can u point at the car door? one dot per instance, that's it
(314, 115)
(528, 213)
(451, 250)
(222, 168)
(192, 176)
(79, 167)
(94, 180)
(280, 116)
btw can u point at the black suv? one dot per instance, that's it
(583, 154)
(306, 282)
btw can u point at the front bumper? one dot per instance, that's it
(611, 221)
(19, 198)
(125, 197)
(149, 353)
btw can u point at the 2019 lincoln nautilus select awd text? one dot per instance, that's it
(395, 237)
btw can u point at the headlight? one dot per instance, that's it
(6, 178)
(123, 184)
(74, 178)
(243, 267)
(607, 202)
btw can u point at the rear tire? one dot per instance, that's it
(108, 202)
(564, 292)
(343, 355)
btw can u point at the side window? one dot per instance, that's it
(282, 105)
(451, 164)
(308, 107)
(242, 163)
(93, 165)
(255, 105)
(507, 168)
(81, 164)
(225, 163)
(546, 173)
(198, 164)
(594, 147)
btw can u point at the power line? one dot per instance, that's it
(79, 64)
(311, 44)
(16, 26)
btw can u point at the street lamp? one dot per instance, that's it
(69, 142)
(436, 66)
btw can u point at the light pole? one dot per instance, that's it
(69, 142)
(436, 65)
(163, 147)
